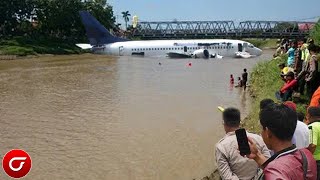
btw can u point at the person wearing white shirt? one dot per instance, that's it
(301, 134)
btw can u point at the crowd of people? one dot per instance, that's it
(289, 144)
(301, 70)
(288, 148)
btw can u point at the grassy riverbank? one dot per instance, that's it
(263, 43)
(22, 46)
(265, 81)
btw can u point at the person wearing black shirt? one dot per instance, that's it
(244, 78)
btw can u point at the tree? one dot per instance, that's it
(59, 18)
(51, 18)
(103, 14)
(14, 14)
(315, 33)
(103, 3)
(126, 16)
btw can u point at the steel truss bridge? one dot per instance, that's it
(221, 29)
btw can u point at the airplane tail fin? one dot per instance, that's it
(97, 33)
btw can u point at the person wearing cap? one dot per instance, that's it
(286, 90)
(231, 165)
(313, 118)
(284, 70)
(301, 134)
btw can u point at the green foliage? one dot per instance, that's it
(263, 43)
(50, 18)
(13, 14)
(315, 33)
(16, 50)
(47, 26)
(22, 46)
(126, 16)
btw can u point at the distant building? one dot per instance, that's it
(306, 26)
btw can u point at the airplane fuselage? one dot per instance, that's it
(154, 48)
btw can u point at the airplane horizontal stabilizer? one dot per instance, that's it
(84, 46)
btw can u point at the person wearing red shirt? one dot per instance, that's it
(278, 124)
(286, 90)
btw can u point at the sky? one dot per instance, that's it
(236, 10)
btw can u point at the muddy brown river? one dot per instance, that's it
(96, 117)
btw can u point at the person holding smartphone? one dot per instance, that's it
(232, 165)
(278, 123)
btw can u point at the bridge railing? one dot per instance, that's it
(212, 29)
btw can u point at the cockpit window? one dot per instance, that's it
(251, 46)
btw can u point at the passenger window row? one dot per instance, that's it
(181, 48)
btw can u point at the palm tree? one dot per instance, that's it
(126, 16)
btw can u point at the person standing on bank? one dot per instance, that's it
(244, 78)
(231, 165)
(313, 118)
(278, 124)
(312, 76)
(290, 61)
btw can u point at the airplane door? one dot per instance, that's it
(185, 48)
(240, 48)
(121, 51)
(245, 46)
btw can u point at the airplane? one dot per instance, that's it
(103, 42)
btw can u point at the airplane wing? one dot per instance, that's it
(84, 46)
(178, 55)
(243, 55)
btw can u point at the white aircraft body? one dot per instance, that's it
(102, 42)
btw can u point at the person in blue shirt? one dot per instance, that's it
(290, 53)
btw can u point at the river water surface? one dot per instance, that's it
(95, 117)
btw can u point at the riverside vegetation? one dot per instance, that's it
(29, 27)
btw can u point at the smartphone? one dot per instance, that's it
(243, 142)
(310, 135)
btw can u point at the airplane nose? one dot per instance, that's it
(258, 51)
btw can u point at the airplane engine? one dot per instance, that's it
(201, 53)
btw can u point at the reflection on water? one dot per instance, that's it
(93, 117)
